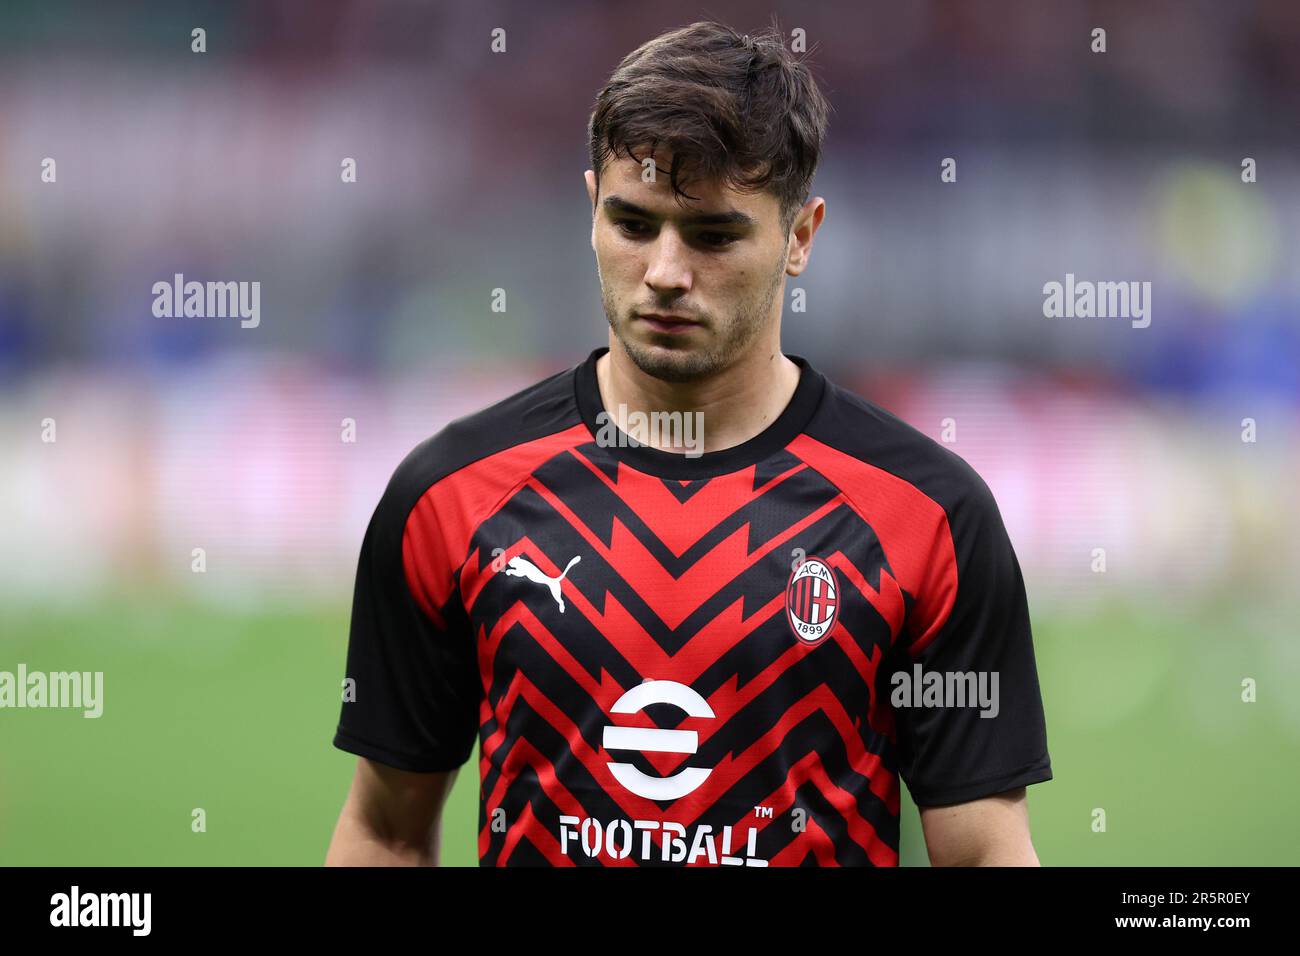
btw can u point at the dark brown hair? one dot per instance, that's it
(739, 109)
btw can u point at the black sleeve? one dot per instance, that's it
(416, 686)
(952, 754)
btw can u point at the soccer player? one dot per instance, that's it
(720, 647)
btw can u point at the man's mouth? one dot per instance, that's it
(663, 322)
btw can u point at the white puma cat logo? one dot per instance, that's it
(519, 567)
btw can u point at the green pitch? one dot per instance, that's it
(232, 713)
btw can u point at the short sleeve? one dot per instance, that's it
(412, 666)
(996, 739)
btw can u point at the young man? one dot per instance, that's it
(687, 652)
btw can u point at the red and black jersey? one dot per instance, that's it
(725, 659)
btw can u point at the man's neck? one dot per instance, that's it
(735, 404)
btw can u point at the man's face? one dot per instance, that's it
(718, 261)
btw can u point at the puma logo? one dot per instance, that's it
(518, 567)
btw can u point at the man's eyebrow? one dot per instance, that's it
(614, 204)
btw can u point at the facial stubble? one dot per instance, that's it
(694, 364)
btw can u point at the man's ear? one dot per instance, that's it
(590, 177)
(805, 226)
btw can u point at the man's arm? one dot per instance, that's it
(390, 817)
(993, 831)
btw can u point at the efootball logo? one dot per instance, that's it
(657, 739)
(812, 600)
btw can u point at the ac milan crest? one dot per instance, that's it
(812, 600)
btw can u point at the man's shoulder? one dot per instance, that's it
(879, 439)
(543, 409)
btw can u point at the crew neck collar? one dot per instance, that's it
(667, 464)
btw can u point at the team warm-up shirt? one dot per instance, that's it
(726, 659)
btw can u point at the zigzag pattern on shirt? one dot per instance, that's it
(682, 581)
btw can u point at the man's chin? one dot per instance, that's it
(669, 361)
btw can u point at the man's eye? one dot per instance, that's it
(718, 239)
(633, 227)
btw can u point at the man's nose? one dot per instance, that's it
(669, 267)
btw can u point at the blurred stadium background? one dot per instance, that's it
(222, 688)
